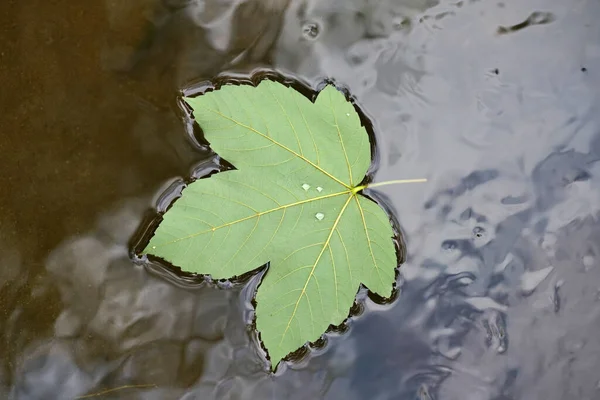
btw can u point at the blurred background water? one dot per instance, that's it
(495, 102)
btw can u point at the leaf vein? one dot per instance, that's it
(282, 146)
(271, 239)
(341, 140)
(335, 282)
(253, 216)
(362, 215)
(315, 265)
(241, 247)
(288, 119)
(309, 130)
(346, 252)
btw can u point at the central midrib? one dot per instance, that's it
(310, 275)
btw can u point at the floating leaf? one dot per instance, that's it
(293, 201)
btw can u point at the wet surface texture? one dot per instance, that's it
(496, 103)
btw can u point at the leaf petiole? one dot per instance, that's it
(394, 182)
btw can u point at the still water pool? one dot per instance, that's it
(496, 103)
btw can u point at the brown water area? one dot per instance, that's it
(495, 103)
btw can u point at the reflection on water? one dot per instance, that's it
(500, 294)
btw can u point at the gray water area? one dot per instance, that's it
(495, 103)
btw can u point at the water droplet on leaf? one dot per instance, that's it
(319, 189)
(306, 186)
(347, 114)
(319, 216)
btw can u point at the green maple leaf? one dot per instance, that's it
(293, 201)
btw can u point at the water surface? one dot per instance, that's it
(496, 103)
